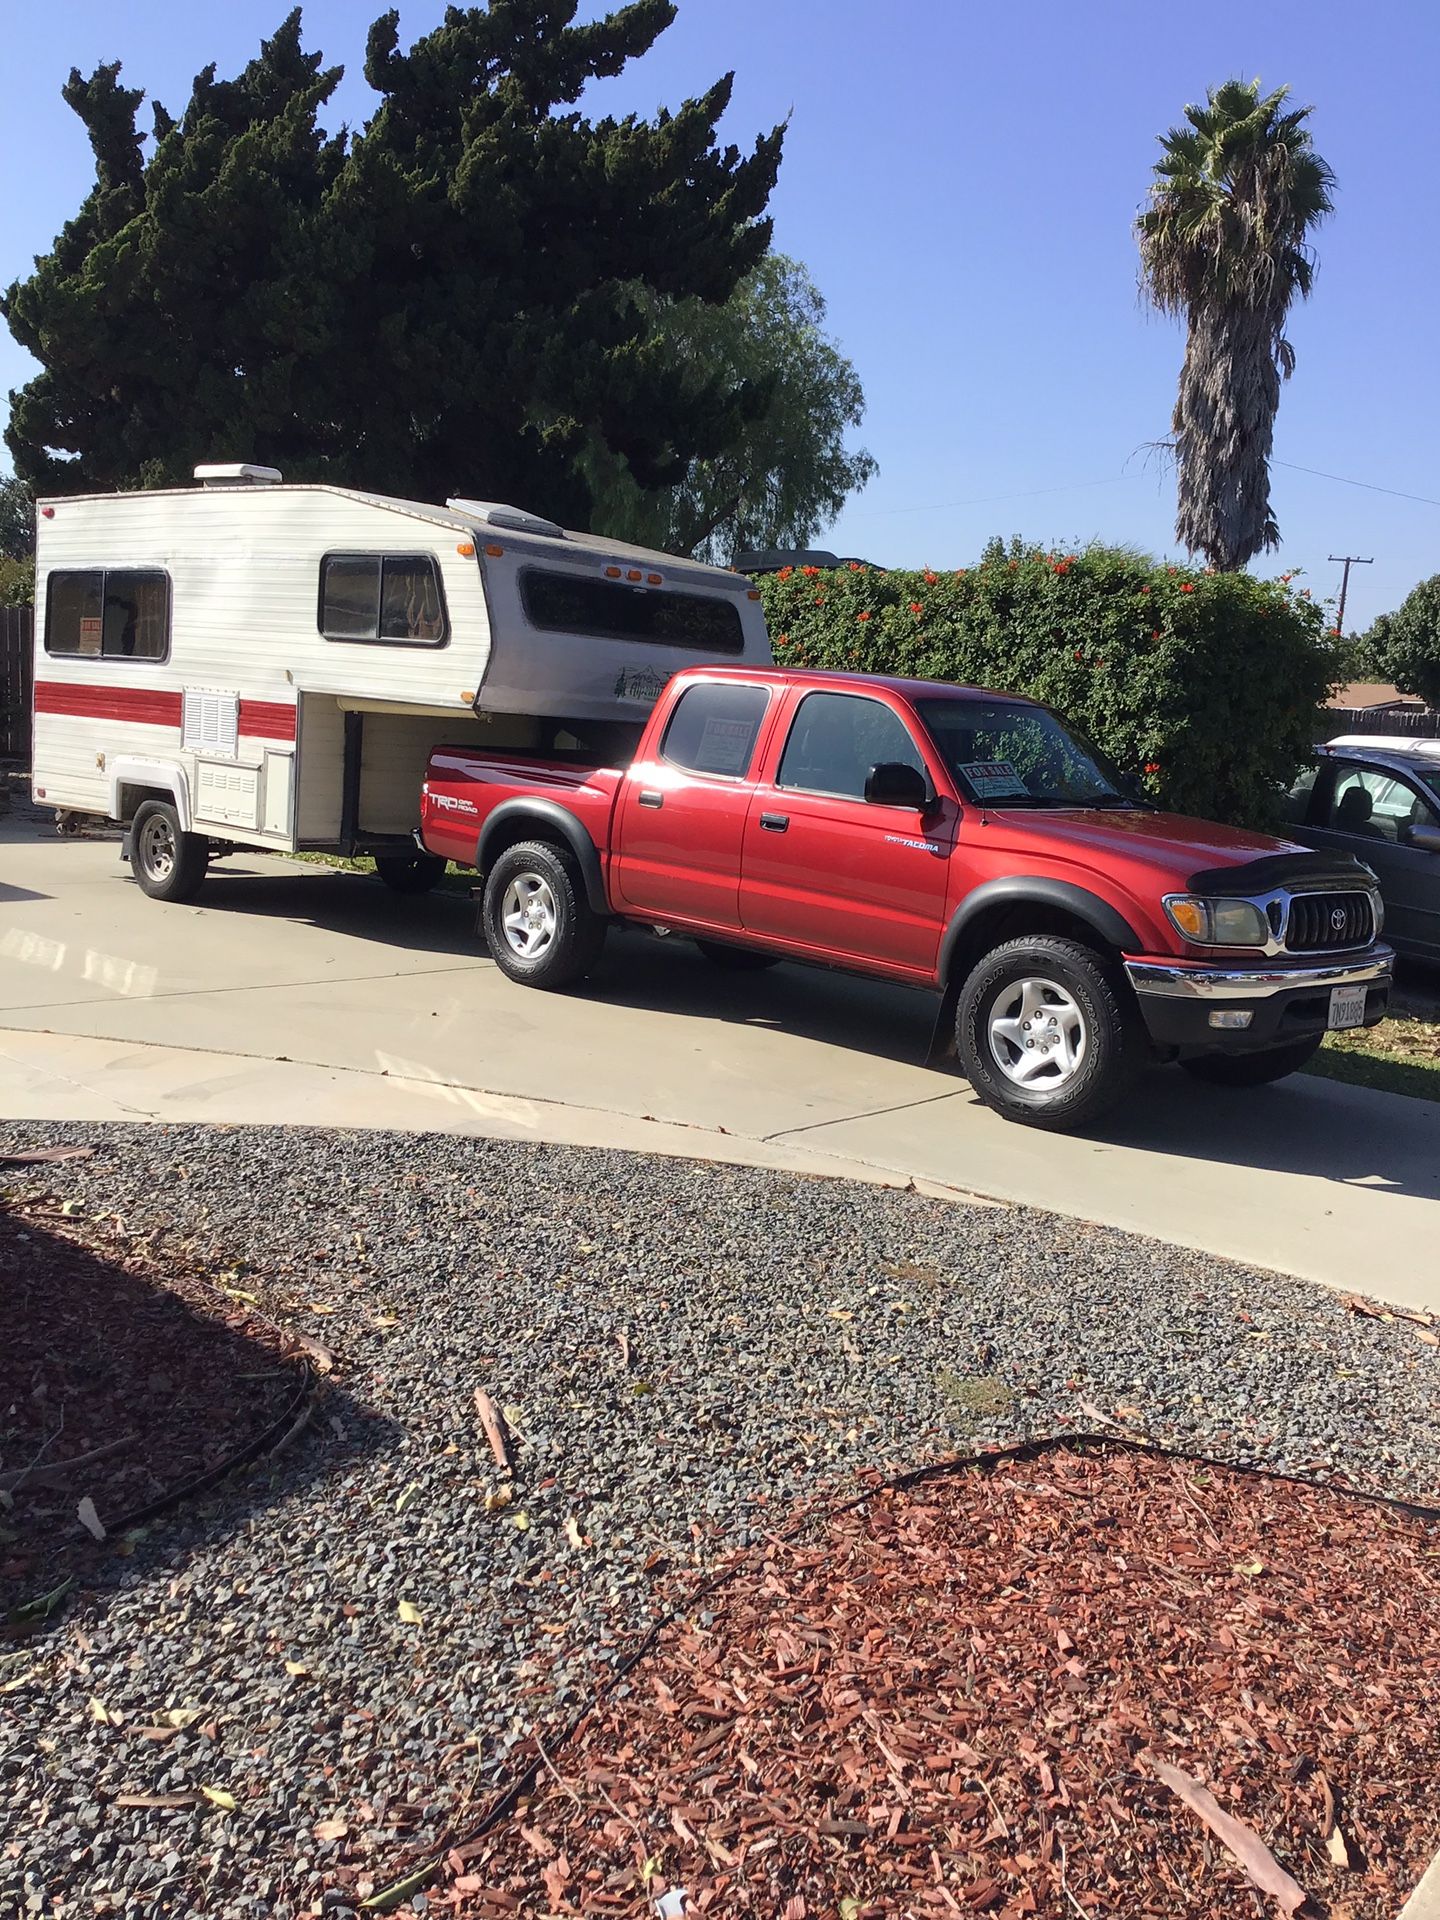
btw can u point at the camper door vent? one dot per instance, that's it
(508, 519)
(210, 722)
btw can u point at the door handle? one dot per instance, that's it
(649, 798)
(774, 822)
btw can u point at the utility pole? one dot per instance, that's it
(1350, 560)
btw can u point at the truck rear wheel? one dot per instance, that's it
(167, 863)
(410, 872)
(1251, 1069)
(538, 925)
(1048, 1034)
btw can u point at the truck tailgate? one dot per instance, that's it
(464, 788)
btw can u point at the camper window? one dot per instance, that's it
(390, 598)
(112, 613)
(610, 610)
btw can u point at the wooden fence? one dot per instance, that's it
(17, 671)
(1405, 723)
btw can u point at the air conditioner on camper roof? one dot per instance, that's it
(237, 474)
(512, 519)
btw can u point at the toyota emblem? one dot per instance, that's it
(1337, 918)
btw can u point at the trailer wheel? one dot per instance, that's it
(410, 872)
(168, 863)
(538, 925)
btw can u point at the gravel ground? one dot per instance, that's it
(682, 1350)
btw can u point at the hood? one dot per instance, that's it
(1174, 845)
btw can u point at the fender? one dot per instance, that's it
(551, 819)
(1064, 895)
(161, 776)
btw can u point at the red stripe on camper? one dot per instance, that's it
(267, 719)
(145, 706)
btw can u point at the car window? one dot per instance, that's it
(1371, 803)
(714, 729)
(836, 738)
(1295, 807)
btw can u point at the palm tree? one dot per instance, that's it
(1224, 244)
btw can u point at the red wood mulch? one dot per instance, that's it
(123, 1374)
(940, 1704)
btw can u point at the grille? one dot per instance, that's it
(1323, 922)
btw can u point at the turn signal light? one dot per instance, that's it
(494, 552)
(654, 578)
(753, 594)
(612, 573)
(634, 574)
(465, 548)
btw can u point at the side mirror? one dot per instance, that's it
(1427, 839)
(891, 783)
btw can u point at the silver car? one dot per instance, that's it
(1381, 802)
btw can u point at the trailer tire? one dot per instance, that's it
(410, 872)
(540, 928)
(168, 863)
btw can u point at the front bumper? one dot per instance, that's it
(1286, 1002)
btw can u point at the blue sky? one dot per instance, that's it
(961, 182)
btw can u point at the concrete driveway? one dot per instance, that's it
(289, 992)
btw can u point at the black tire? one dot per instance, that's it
(1088, 1039)
(168, 864)
(736, 959)
(410, 872)
(568, 934)
(1252, 1069)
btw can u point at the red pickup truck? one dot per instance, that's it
(942, 836)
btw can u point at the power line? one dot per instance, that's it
(1369, 485)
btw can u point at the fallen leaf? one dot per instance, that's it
(1252, 1567)
(533, 1837)
(156, 1799)
(1336, 1848)
(183, 1716)
(386, 1320)
(85, 1513)
(219, 1797)
(849, 1907)
(407, 1496)
(1249, 1849)
(409, 1613)
(296, 1668)
(99, 1711)
(496, 1497)
(522, 1521)
(71, 1208)
(321, 1306)
(573, 1533)
(1430, 1339)
(330, 1829)
(239, 1293)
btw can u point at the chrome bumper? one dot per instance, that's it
(1255, 983)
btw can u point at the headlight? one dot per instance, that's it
(1218, 923)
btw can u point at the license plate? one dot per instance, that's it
(1347, 1007)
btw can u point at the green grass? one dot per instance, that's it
(1401, 1055)
(454, 881)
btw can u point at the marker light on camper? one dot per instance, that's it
(495, 552)
(465, 548)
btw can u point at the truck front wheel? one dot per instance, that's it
(168, 864)
(538, 925)
(1048, 1034)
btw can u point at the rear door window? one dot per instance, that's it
(714, 729)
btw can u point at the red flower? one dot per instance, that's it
(1172, 569)
(916, 608)
(959, 573)
(1078, 654)
(1152, 766)
(1156, 634)
(1144, 589)
(785, 573)
(819, 599)
(809, 572)
(862, 616)
(1186, 587)
(930, 578)
(1013, 565)
(782, 639)
(855, 567)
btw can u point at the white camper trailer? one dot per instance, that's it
(250, 663)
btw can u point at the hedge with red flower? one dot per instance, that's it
(1206, 683)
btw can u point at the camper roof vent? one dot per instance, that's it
(511, 519)
(237, 474)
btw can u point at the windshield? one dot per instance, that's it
(1004, 753)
